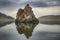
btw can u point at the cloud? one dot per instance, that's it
(39, 4)
(54, 2)
(44, 3)
(34, 3)
(5, 3)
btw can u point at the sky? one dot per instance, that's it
(40, 7)
(38, 3)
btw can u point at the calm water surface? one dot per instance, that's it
(30, 32)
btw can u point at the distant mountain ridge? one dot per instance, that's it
(50, 19)
(3, 15)
(51, 16)
(4, 19)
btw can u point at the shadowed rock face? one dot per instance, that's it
(26, 15)
(50, 19)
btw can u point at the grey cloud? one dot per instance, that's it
(57, 2)
(38, 4)
(5, 3)
(42, 3)
(54, 0)
(34, 3)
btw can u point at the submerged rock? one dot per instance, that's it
(26, 15)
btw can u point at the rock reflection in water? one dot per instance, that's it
(25, 28)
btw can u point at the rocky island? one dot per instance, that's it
(26, 15)
(26, 21)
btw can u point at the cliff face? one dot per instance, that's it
(26, 15)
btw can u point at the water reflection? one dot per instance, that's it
(25, 28)
(5, 23)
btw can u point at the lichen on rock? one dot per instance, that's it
(26, 15)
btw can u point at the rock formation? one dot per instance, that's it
(26, 15)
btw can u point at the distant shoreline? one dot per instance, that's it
(4, 19)
(50, 19)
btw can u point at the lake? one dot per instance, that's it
(30, 32)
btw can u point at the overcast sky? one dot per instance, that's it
(11, 6)
(35, 3)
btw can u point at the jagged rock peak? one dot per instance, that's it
(27, 6)
(26, 14)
